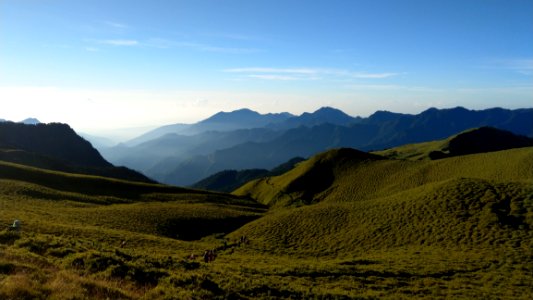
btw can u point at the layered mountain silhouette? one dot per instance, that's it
(221, 122)
(56, 146)
(185, 154)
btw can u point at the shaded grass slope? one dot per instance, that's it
(76, 200)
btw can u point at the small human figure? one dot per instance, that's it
(17, 226)
(123, 243)
(206, 256)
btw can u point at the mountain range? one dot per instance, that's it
(478, 140)
(182, 154)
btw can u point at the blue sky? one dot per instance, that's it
(114, 64)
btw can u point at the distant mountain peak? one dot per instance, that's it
(30, 121)
(328, 109)
(239, 113)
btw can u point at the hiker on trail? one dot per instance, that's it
(16, 226)
(206, 256)
(122, 244)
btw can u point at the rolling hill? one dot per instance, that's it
(134, 206)
(349, 175)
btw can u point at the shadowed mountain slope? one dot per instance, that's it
(57, 147)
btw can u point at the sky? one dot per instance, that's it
(108, 65)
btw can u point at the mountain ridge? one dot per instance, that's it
(56, 146)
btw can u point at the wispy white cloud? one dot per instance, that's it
(234, 36)
(374, 75)
(230, 50)
(274, 70)
(165, 44)
(306, 73)
(274, 77)
(392, 87)
(120, 42)
(524, 66)
(91, 49)
(115, 25)
(520, 65)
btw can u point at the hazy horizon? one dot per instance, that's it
(104, 65)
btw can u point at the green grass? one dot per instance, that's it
(340, 176)
(341, 225)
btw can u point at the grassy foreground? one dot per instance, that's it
(455, 228)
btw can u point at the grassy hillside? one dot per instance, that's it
(434, 216)
(344, 224)
(349, 175)
(118, 204)
(454, 213)
(477, 140)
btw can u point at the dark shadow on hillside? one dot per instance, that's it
(505, 218)
(195, 229)
(353, 272)
(482, 140)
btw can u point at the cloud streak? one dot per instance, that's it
(120, 42)
(170, 44)
(164, 43)
(523, 66)
(306, 73)
(115, 25)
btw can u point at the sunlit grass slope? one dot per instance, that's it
(477, 140)
(345, 203)
(457, 213)
(347, 175)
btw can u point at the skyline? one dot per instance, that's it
(119, 64)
